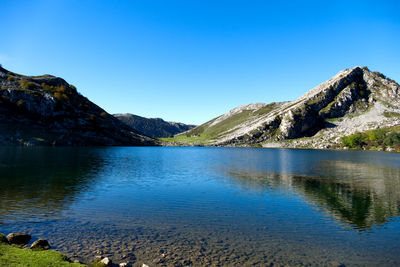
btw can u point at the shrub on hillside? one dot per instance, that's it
(391, 139)
(372, 139)
(103, 114)
(353, 140)
(60, 96)
(26, 84)
(73, 88)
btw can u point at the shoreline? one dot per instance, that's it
(18, 249)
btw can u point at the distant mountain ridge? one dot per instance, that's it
(353, 100)
(154, 127)
(46, 110)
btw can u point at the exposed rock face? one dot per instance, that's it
(153, 127)
(46, 110)
(20, 239)
(40, 244)
(353, 100)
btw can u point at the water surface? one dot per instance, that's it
(206, 206)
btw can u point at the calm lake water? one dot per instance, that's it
(206, 206)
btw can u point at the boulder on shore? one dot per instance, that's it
(106, 261)
(40, 244)
(20, 239)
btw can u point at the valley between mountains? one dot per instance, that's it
(356, 108)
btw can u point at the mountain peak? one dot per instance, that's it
(155, 127)
(46, 110)
(354, 99)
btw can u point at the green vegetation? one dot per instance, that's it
(186, 139)
(10, 78)
(329, 110)
(20, 103)
(379, 139)
(153, 127)
(61, 92)
(387, 104)
(227, 124)
(97, 264)
(73, 88)
(266, 109)
(14, 256)
(60, 96)
(388, 114)
(204, 134)
(27, 85)
(377, 73)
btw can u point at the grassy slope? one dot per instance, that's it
(204, 134)
(13, 256)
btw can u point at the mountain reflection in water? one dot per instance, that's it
(212, 206)
(362, 196)
(38, 184)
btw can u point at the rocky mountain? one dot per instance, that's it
(46, 110)
(353, 100)
(153, 127)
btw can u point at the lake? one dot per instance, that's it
(179, 206)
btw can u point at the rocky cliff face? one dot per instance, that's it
(353, 100)
(46, 110)
(153, 127)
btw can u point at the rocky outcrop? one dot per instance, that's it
(153, 127)
(46, 110)
(327, 112)
(40, 244)
(20, 239)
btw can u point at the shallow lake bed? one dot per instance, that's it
(206, 206)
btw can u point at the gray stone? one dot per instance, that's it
(40, 244)
(123, 264)
(353, 100)
(106, 261)
(21, 239)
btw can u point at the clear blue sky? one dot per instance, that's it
(191, 61)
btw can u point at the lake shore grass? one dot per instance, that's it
(11, 255)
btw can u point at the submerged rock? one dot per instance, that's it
(21, 239)
(40, 244)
